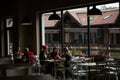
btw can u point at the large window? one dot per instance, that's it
(55, 37)
(102, 32)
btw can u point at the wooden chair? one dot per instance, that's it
(59, 68)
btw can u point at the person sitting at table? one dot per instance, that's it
(19, 53)
(55, 53)
(68, 56)
(18, 56)
(29, 55)
(43, 56)
(99, 58)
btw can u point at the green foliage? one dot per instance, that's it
(101, 50)
(115, 53)
(75, 52)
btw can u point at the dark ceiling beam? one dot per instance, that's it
(49, 5)
(9, 6)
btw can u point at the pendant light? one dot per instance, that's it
(54, 16)
(26, 21)
(94, 11)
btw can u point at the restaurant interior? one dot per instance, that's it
(43, 40)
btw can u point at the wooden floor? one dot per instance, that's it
(42, 76)
(38, 77)
(33, 77)
(56, 78)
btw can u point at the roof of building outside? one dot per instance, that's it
(108, 17)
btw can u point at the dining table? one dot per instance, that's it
(89, 65)
(53, 60)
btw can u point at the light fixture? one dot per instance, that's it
(26, 21)
(94, 11)
(54, 16)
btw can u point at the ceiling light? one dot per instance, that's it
(54, 16)
(26, 21)
(94, 11)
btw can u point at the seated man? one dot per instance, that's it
(43, 56)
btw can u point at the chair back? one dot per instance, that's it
(59, 67)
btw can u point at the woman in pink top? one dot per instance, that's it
(30, 56)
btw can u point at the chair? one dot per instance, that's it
(100, 67)
(112, 70)
(79, 72)
(59, 68)
(100, 71)
(36, 67)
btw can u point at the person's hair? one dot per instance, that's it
(54, 48)
(27, 49)
(66, 49)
